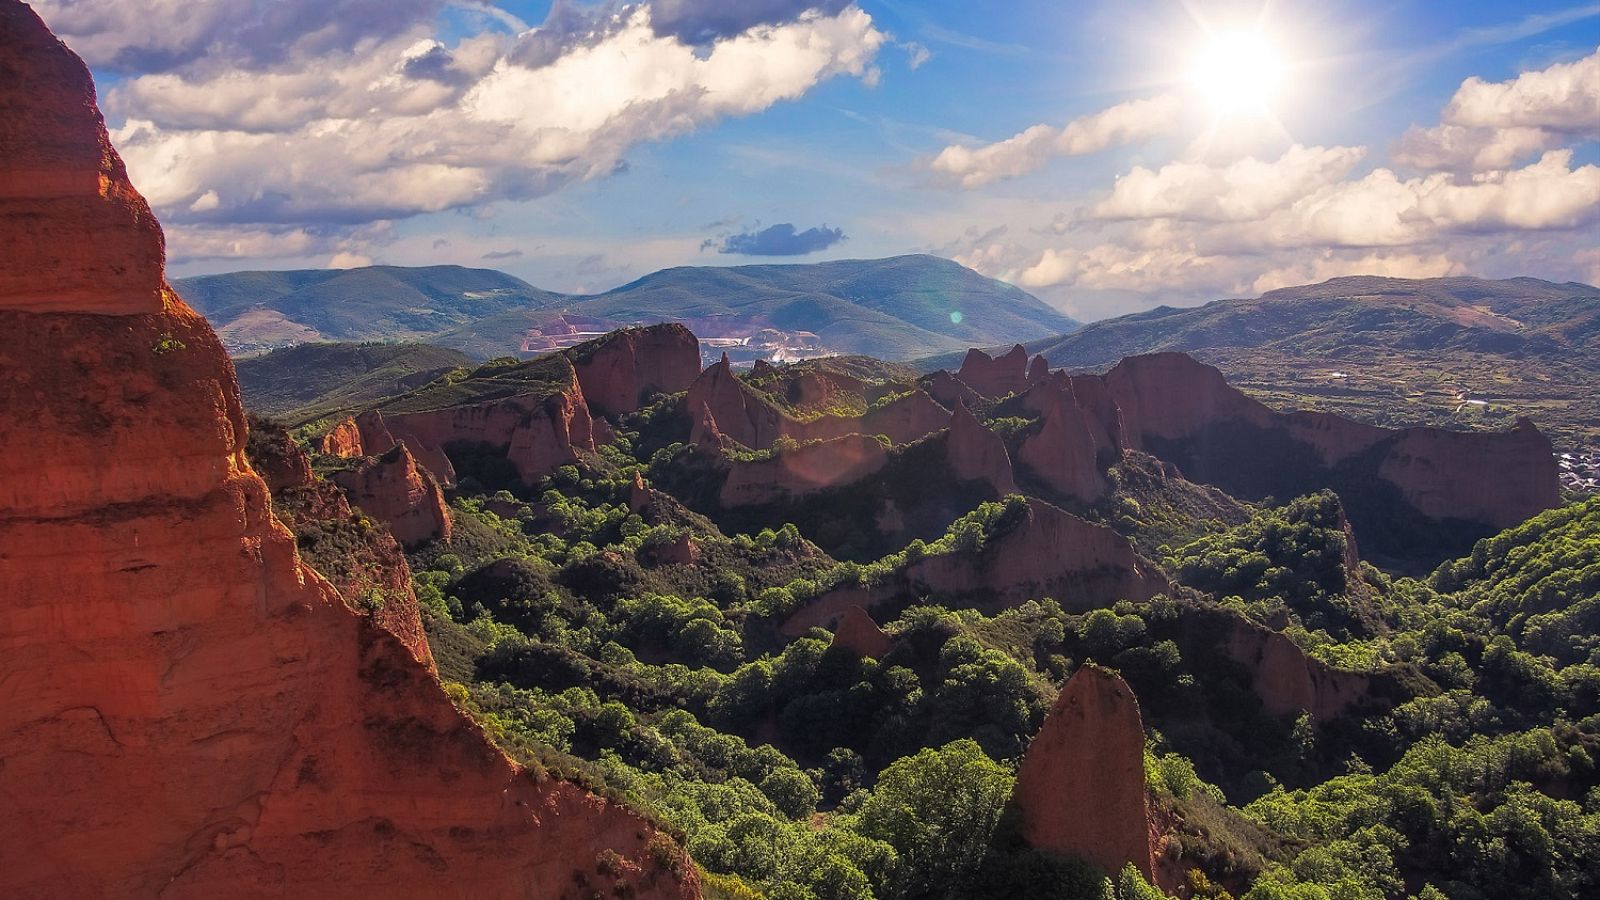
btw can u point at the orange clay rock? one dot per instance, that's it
(857, 633)
(978, 454)
(995, 377)
(393, 489)
(616, 371)
(186, 709)
(1063, 452)
(342, 440)
(1080, 789)
(77, 236)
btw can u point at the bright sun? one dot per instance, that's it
(1239, 72)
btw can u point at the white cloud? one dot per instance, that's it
(1125, 123)
(1564, 97)
(1239, 191)
(1461, 149)
(356, 137)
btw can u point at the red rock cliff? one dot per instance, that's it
(1497, 479)
(995, 376)
(342, 440)
(187, 710)
(628, 364)
(1063, 452)
(393, 489)
(978, 454)
(1080, 788)
(66, 207)
(857, 633)
(802, 470)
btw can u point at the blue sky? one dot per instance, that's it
(582, 149)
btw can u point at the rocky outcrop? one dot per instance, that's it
(1046, 552)
(1080, 788)
(640, 497)
(366, 565)
(342, 440)
(1287, 680)
(750, 418)
(739, 412)
(1173, 405)
(188, 709)
(995, 377)
(393, 489)
(802, 470)
(949, 390)
(978, 454)
(622, 368)
(857, 633)
(1063, 452)
(537, 431)
(1499, 479)
(67, 211)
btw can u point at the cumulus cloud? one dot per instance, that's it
(1564, 97)
(1239, 191)
(780, 240)
(1030, 150)
(1495, 125)
(409, 125)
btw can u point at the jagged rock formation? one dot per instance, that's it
(949, 390)
(1080, 788)
(1186, 412)
(342, 440)
(746, 416)
(859, 634)
(802, 470)
(534, 414)
(1063, 452)
(978, 454)
(1046, 553)
(365, 565)
(998, 376)
(189, 710)
(1287, 680)
(620, 369)
(393, 489)
(738, 411)
(66, 207)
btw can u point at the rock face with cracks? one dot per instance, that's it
(625, 366)
(395, 490)
(1080, 788)
(186, 709)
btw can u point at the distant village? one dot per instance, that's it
(1580, 470)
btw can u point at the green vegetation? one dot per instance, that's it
(309, 382)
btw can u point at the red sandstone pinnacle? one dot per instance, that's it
(950, 390)
(635, 361)
(740, 413)
(1062, 453)
(77, 236)
(1288, 681)
(1038, 370)
(342, 440)
(859, 634)
(1080, 788)
(976, 453)
(640, 497)
(396, 491)
(189, 710)
(997, 376)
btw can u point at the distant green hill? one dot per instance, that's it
(1458, 351)
(897, 308)
(306, 382)
(261, 310)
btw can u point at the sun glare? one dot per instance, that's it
(1239, 72)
